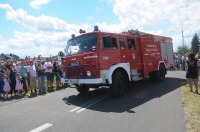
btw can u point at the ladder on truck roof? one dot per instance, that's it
(134, 32)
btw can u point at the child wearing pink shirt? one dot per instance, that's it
(6, 87)
(18, 86)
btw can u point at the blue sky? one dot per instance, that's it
(32, 27)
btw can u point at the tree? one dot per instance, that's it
(183, 49)
(195, 44)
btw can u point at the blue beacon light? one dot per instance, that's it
(73, 35)
(96, 28)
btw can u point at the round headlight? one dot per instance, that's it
(89, 73)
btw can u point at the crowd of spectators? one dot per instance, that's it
(36, 76)
(180, 62)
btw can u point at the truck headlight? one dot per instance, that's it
(89, 73)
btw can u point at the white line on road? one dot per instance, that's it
(90, 103)
(74, 109)
(86, 103)
(41, 128)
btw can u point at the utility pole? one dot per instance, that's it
(183, 57)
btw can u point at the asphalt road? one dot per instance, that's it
(146, 107)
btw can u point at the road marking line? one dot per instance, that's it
(88, 103)
(92, 103)
(41, 128)
(74, 109)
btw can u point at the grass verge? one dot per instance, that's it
(191, 104)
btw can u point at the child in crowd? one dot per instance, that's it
(6, 87)
(19, 85)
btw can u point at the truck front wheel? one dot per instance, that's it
(118, 84)
(82, 89)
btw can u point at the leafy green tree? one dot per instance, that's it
(195, 44)
(183, 49)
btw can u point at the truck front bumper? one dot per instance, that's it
(82, 81)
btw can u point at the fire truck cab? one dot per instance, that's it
(114, 59)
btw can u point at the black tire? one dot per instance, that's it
(118, 84)
(152, 76)
(82, 89)
(160, 75)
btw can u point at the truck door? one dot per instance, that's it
(132, 53)
(122, 49)
(109, 51)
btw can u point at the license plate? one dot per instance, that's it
(73, 81)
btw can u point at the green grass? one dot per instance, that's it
(191, 103)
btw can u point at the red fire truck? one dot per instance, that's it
(98, 58)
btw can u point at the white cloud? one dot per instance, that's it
(45, 32)
(144, 12)
(187, 18)
(39, 23)
(37, 43)
(6, 7)
(37, 3)
(178, 15)
(48, 35)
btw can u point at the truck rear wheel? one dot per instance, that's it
(152, 76)
(160, 75)
(118, 84)
(82, 89)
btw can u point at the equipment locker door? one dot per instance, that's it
(167, 52)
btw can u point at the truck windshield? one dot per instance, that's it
(86, 43)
